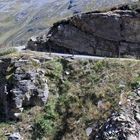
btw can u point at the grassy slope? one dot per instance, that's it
(76, 87)
(41, 18)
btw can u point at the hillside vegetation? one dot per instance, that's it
(82, 94)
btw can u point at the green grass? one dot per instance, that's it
(46, 124)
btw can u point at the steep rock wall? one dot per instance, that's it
(22, 85)
(3, 82)
(104, 34)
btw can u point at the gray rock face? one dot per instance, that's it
(104, 34)
(38, 11)
(25, 86)
(111, 33)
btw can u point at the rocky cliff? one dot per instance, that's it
(113, 33)
(22, 85)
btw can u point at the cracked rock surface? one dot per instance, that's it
(25, 86)
(111, 34)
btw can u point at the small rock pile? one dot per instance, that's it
(124, 125)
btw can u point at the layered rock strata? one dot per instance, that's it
(112, 34)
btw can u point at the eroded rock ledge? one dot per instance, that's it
(112, 33)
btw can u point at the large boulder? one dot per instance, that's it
(112, 33)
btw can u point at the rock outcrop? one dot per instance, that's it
(111, 34)
(23, 85)
(3, 103)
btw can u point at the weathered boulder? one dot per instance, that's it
(111, 33)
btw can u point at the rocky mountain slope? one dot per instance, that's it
(21, 19)
(55, 98)
(49, 97)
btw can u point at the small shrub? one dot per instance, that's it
(7, 51)
(45, 124)
(53, 69)
(43, 127)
